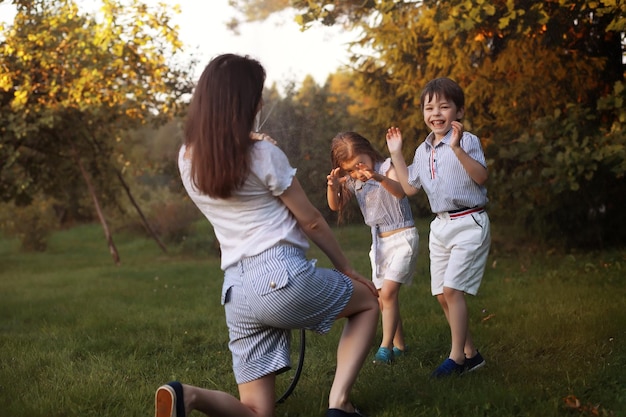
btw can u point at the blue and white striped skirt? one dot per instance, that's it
(266, 296)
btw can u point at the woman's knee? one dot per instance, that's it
(258, 395)
(362, 300)
(363, 292)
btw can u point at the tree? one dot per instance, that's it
(531, 70)
(71, 84)
(303, 123)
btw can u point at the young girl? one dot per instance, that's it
(362, 171)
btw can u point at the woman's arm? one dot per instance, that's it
(317, 229)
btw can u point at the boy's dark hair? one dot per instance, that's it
(443, 87)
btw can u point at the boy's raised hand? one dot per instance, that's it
(457, 133)
(394, 140)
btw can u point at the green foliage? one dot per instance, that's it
(72, 83)
(200, 240)
(532, 71)
(543, 82)
(256, 10)
(170, 215)
(303, 123)
(31, 225)
(564, 179)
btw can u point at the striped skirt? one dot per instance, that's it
(268, 295)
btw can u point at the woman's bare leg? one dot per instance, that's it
(361, 313)
(257, 400)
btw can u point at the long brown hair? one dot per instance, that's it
(344, 147)
(219, 121)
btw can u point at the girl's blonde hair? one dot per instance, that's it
(344, 147)
(348, 145)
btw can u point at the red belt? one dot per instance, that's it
(462, 212)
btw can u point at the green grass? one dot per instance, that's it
(82, 337)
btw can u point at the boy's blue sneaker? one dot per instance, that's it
(474, 363)
(384, 355)
(447, 368)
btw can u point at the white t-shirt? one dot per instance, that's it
(253, 219)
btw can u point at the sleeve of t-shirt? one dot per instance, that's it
(385, 166)
(414, 177)
(270, 164)
(472, 146)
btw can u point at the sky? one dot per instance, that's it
(286, 53)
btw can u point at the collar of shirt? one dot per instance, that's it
(431, 137)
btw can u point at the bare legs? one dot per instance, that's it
(354, 345)
(398, 339)
(391, 321)
(257, 398)
(455, 309)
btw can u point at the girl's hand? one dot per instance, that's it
(368, 172)
(457, 133)
(262, 136)
(333, 179)
(394, 140)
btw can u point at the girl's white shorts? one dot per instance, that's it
(394, 257)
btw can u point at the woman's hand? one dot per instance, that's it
(355, 276)
(262, 136)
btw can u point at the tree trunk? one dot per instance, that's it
(140, 212)
(103, 222)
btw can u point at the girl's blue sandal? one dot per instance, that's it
(168, 400)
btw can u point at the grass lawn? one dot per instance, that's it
(82, 337)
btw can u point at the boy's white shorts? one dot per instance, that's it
(458, 251)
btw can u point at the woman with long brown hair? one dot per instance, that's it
(263, 221)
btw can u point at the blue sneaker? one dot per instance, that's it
(474, 363)
(384, 355)
(397, 352)
(447, 368)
